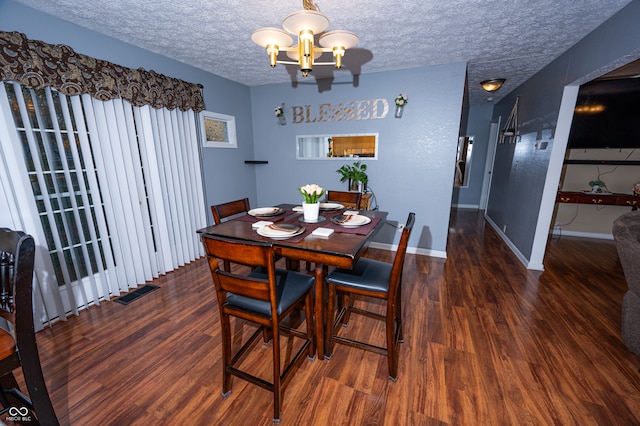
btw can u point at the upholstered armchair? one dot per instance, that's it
(626, 232)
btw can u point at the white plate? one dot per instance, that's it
(272, 231)
(265, 211)
(331, 206)
(353, 222)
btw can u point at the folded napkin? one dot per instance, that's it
(260, 224)
(322, 232)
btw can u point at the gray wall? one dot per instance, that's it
(226, 176)
(416, 153)
(520, 170)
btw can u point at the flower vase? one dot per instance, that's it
(282, 120)
(310, 211)
(399, 110)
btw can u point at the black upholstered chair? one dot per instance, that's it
(18, 347)
(379, 280)
(226, 210)
(265, 296)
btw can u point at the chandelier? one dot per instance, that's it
(304, 24)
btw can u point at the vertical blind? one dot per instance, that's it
(117, 189)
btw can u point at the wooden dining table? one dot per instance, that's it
(341, 249)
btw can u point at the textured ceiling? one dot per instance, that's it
(512, 39)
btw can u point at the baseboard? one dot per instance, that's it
(412, 250)
(561, 232)
(512, 247)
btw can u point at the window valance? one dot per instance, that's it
(35, 64)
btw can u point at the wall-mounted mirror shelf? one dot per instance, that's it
(463, 161)
(337, 146)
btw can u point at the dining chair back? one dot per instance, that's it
(265, 296)
(351, 199)
(231, 208)
(375, 279)
(226, 210)
(18, 347)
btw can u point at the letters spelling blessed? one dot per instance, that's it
(370, 109)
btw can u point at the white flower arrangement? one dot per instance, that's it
(401, 100)
(279, 111)
(311, 193)
(636, 188)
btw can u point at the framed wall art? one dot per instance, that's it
(218, 130)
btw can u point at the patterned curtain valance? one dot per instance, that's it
(35, 64)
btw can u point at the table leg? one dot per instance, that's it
(319, 310)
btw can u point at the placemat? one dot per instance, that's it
(310, 227)
(360, 230)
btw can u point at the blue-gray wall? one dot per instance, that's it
(520, 170)
(416, 153)
(226, 176)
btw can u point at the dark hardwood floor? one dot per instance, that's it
(487, 342)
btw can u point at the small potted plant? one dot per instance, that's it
(311, 194)
(356, 175)
(597, 185)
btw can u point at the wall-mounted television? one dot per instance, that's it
(607, 115)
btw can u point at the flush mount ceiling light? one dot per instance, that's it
(304, 24)
(492, 84)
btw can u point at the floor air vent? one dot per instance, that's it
(135, 294)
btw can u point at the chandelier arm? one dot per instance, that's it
(315, 49)
(296, 63)
(287, 62)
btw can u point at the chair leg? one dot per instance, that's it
(225, 326)
(277, 379)
(266, 336)
(399, 312)
(392, 352)
(308, 311)
(330, 319)
(347, 302)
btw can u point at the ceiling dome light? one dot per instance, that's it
(492, 84)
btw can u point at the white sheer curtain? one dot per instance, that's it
(117, 190)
